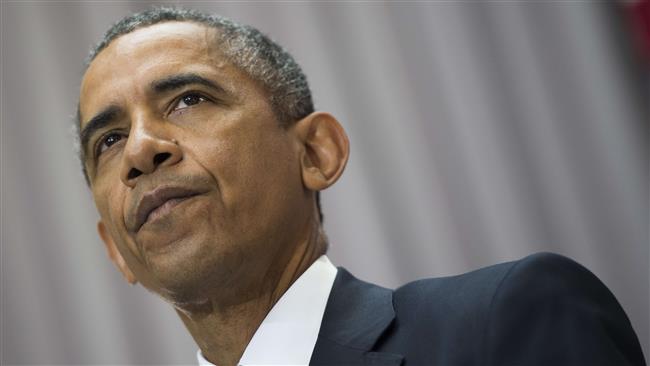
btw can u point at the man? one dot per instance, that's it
(205, 157)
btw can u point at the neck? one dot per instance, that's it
(223, 331)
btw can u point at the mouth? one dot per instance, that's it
(158, 203)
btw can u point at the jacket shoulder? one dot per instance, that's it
(550, 272)
(542, 309)
(467, 292)
(451, 312)
(551, 310)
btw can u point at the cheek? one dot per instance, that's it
(108, 165)
(109, 199)
(108, 193)
(254, 168)
(110, 211)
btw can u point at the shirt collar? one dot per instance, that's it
(288, 333)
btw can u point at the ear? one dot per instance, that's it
(326, 150)
(114, 254)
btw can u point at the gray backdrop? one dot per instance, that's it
(480, 133)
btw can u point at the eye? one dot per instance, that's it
(107, 141)
(188, 100)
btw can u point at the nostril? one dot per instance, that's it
(133, 173)
(159, 158)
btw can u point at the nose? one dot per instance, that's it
(147, 150)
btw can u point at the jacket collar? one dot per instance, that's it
(357, 314)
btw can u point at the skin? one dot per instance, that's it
(223, 257)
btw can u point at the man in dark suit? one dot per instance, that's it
(205, 157)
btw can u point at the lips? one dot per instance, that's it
(157, 200)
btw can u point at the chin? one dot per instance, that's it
(195, 271)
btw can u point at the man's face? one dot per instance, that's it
(194, 178)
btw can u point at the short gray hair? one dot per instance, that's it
(265, 61)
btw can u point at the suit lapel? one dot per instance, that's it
(357, 314)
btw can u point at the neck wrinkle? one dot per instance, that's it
(223, 333)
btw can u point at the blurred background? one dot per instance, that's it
(481, 132)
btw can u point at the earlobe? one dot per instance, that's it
(114, 254)
(326, 150)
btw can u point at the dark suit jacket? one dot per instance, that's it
(542, 310)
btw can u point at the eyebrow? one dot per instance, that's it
(178, 81)
(166, 84)
(101, 120)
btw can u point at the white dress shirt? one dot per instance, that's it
(288, 334)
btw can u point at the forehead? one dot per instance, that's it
(137, 58)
